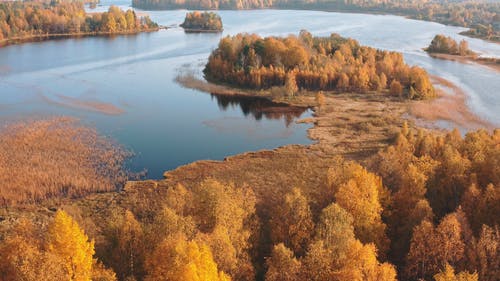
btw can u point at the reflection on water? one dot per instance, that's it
(260, 108)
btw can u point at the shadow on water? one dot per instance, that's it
(260, 108)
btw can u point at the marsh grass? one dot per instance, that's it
(57, 157)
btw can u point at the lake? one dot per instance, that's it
(125, 85)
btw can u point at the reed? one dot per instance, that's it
(57, 157)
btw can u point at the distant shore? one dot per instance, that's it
(44, 37)
(194, 30)
(370, 11)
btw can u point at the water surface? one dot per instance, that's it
(125, 85)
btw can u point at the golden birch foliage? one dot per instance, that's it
(360, 196)
(21, 259)
(357, 263)
(125, 245)
(450, 245)
(422, 254)
(448, 274)
(224, 253)
(226, 213)
(488, 253)
(335, 228)
(292, 222)
(101, 273)
(177, 259)
(66, 240)
(282, 265)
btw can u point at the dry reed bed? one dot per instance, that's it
(46, 158)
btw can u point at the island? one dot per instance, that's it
(482, 18)
(202, 22)
(305, 63)
(27, 21)
(443, 47)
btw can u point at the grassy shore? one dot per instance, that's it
(493, 63)
(47, 36)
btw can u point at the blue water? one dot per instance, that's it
(167, 125)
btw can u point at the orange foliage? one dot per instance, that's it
(313, 63)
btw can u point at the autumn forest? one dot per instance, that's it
(19, 20)
(340, 161)
(423, 208)
(314, 64)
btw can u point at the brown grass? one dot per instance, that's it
(57, 157)
(450, 106)
(350, 124)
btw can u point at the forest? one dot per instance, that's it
(202, 21)
(447, 45)
(424, 208)
(314, 63)
(19, 20)
(481, 17)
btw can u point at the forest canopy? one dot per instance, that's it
(19, 20)
(425, 208)
(202, 21)
(314, 63)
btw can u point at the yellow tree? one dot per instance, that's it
(226, 213)
(66, 240)
(101, 273)
(124, 249)
(292, 222)
(290, 84)
(177, 259)
(360, 196)
(448, 274)
(335, 228)
(422, 257)
(395, 88)
(488, 253)
(21, 257)
(282, 265)
(337, 255)
(450, 247)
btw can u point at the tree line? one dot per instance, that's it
(314, 63)
(425, 208)
(20, 20)
(481, 17)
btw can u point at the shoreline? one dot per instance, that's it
(352, 126)
(449, 106)
(47, 37)
(491, 63)
(194, 30)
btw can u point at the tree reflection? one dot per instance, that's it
(260, 108)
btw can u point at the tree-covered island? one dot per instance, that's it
(202, 22)
(314, 64)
